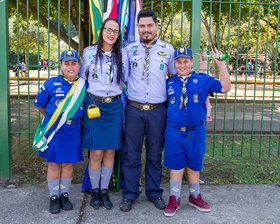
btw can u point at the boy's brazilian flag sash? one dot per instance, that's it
(67, 108)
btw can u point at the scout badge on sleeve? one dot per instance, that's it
(93, 111)
(67, 108)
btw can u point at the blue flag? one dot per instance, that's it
(130, 33)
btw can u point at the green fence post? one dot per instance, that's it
(195, 32)
(5, 168)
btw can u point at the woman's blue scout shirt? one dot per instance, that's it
(98, 73)
(198, 88)
(51, 95)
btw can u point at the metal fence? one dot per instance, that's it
(245, 121)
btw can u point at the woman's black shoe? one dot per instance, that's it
(105, 200)
(64, 202)
(54, 205)
(95, 198)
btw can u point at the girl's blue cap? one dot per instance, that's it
(69, 55)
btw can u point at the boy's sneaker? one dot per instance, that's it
(172, 206)
(199, 203)
(54, 205)
(209, 119)
(64, 202)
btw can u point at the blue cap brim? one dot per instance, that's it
(182, 56)
(69, 59)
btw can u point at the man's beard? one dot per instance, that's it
(146, 41)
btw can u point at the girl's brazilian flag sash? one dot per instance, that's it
(67, 108)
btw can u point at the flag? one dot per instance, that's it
(67, 109)
(130, 33)
(123, 15)
(96, 18)
(113, 13)
(137, 9)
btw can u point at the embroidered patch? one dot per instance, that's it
(135, 53)
(91, 56)
(134, 65)
(195, 81)
(57, 83)
(170, 89)
(60, 94)
(169, 83)
(134, 47)
(182, 49)
(171, 92)
(172, 100)
(94, 76)
(195, 98)
(57, 102)
(59, 90)
(164, 46)
(161, 67)
(92, 61)
(161, 53)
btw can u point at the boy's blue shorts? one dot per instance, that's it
(184, 148)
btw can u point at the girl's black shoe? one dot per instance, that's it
(64, 202)
(54, 205)
(105, 200)
(95, 198)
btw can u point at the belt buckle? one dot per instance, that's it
(145, 107)
(107, 100)
(69, 122)
(183, 128)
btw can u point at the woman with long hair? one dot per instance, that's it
(104, 67)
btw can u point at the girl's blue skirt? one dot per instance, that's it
(66, 145)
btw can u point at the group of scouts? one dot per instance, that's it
(152, 102)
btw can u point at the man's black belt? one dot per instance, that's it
(184, 129)
(144, 106)
(108, 99)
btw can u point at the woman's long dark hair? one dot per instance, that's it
(116, 51)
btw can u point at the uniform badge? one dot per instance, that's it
(161, 67)
(59, 94)
(57, 83)
(94, 76)
(182, 49)
(172, 100)
(134, 47)
(59, 90)
(195, 81)
(135, 53)
(92, 61)
(57, 102)
(169, 83)
(134, 65)
(161, 53)
(91, 56)
(164, 46)
(195, 98)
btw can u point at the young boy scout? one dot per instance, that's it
(185, 134)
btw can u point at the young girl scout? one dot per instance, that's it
(103, 67)
(185, 135)
(59, 140)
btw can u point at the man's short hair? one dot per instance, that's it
(146, 13)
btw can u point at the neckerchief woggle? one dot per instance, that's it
(68, 107)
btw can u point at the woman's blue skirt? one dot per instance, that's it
(104, 132)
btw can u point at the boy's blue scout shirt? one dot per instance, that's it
(161, 57)
(51, 95)
(198, 88)
(97, 73)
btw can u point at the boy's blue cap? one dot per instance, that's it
(69, 55)
(183, 52)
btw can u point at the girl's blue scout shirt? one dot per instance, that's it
(161, 61)
(51, 95)
(98, 73)
(198, 88)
